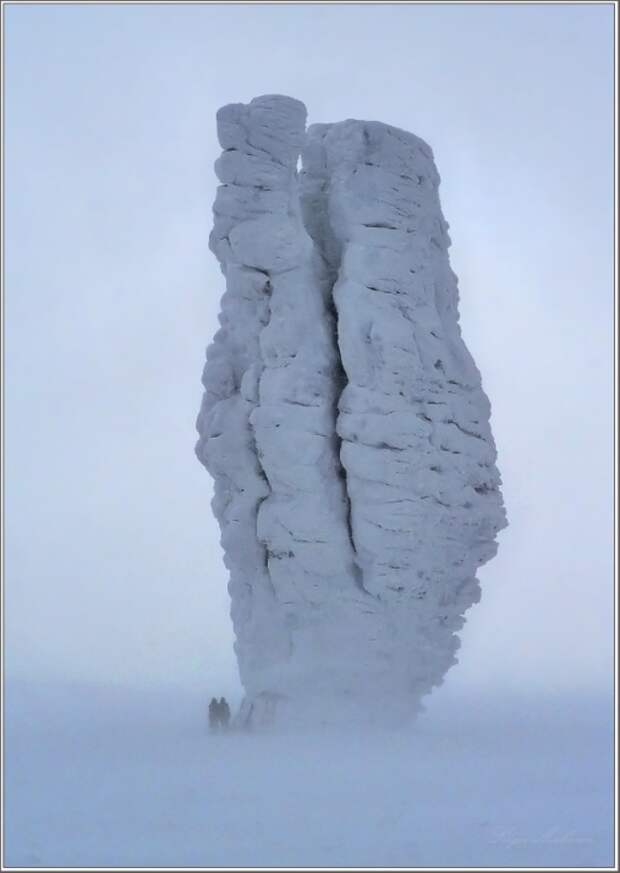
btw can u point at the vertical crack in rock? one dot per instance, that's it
(263, 473)
(344, 420)
(314, 191)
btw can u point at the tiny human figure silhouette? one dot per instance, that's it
(213, 714)
(224, 710)
(219, 714)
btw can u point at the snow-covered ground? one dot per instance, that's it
(104, 776)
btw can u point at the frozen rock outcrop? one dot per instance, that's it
(343, 419)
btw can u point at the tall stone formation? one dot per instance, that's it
(343, 419)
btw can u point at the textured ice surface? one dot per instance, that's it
(343, 420)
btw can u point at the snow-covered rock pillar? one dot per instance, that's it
(256, 169)
(414, 422)
(343, 419)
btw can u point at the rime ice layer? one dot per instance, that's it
(343, 420)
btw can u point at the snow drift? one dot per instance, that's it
(343, 419)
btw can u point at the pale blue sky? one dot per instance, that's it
(113, 568)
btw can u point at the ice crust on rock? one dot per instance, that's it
(343, 419)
